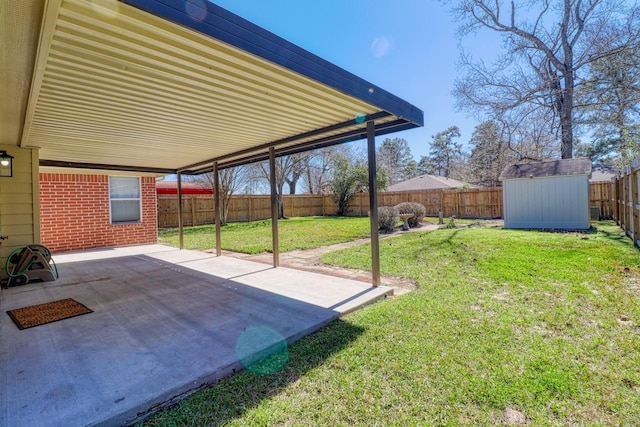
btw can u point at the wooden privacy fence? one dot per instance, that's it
(477, 203)
(626, 209)
(601, 196)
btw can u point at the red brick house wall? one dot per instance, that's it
(74, 213)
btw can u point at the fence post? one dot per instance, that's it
(616, 201)
(630, 202)
(292, 212)
(634, 205)
(193, 211)
(620, 198)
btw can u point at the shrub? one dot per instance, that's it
(418, 211)
(388, 218)
(451, 223)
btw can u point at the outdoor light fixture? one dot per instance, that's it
(6, 164)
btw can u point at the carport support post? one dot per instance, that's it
(216, 198)
(373, 205)
(274, 207)
(180, 227)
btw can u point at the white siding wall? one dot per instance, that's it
(19, 202)
(560, 202)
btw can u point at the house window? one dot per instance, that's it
(124, 198)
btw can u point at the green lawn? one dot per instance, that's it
(546, 324)
(255, 237)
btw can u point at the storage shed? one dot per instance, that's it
(547, 195)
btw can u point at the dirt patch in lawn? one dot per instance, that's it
(309, 260)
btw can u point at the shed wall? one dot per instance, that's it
(560, 202)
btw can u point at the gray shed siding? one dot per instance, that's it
(559, 202)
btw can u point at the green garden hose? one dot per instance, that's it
(45, 252)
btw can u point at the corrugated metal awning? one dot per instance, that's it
(167, 85)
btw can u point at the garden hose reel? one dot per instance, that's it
(29, 264)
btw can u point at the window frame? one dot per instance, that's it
(112, 199)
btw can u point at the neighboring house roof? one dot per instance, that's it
(427, 182)
(579, 166)
(599, 176)
(171, 187)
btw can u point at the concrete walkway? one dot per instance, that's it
(310, 260)
(165, 323)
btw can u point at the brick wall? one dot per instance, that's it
(74, 213)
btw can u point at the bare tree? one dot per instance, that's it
(297, 164)
(318, 168)
(548, 46)
(230, 181)
(530, 134)
(615, 108)
(286, 166)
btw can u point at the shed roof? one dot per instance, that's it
(166, 85)
(426, 182)
(578, 166)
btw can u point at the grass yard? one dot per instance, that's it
(507, 326)
(255, 237)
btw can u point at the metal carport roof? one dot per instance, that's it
(173, 86)
(168, 85)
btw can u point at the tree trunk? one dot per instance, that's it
(566, 117)
(568, 74)
(280, 203)
(566, 144)
(292, 184)
(224, 207)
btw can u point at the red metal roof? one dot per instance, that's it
(171, 187)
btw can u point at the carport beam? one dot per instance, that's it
(216, 197)
(274, 207)
(373, 205)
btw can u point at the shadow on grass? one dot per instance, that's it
(230, 397)
(602, 227)
(619, 235)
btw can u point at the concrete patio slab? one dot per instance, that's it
(165, 323)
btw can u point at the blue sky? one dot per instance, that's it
(407, 47)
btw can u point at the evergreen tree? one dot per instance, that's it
(393, 156)
(445, 151)
(424, 166)
(349, 177)
(489, 154)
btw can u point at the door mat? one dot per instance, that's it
(35, 315)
